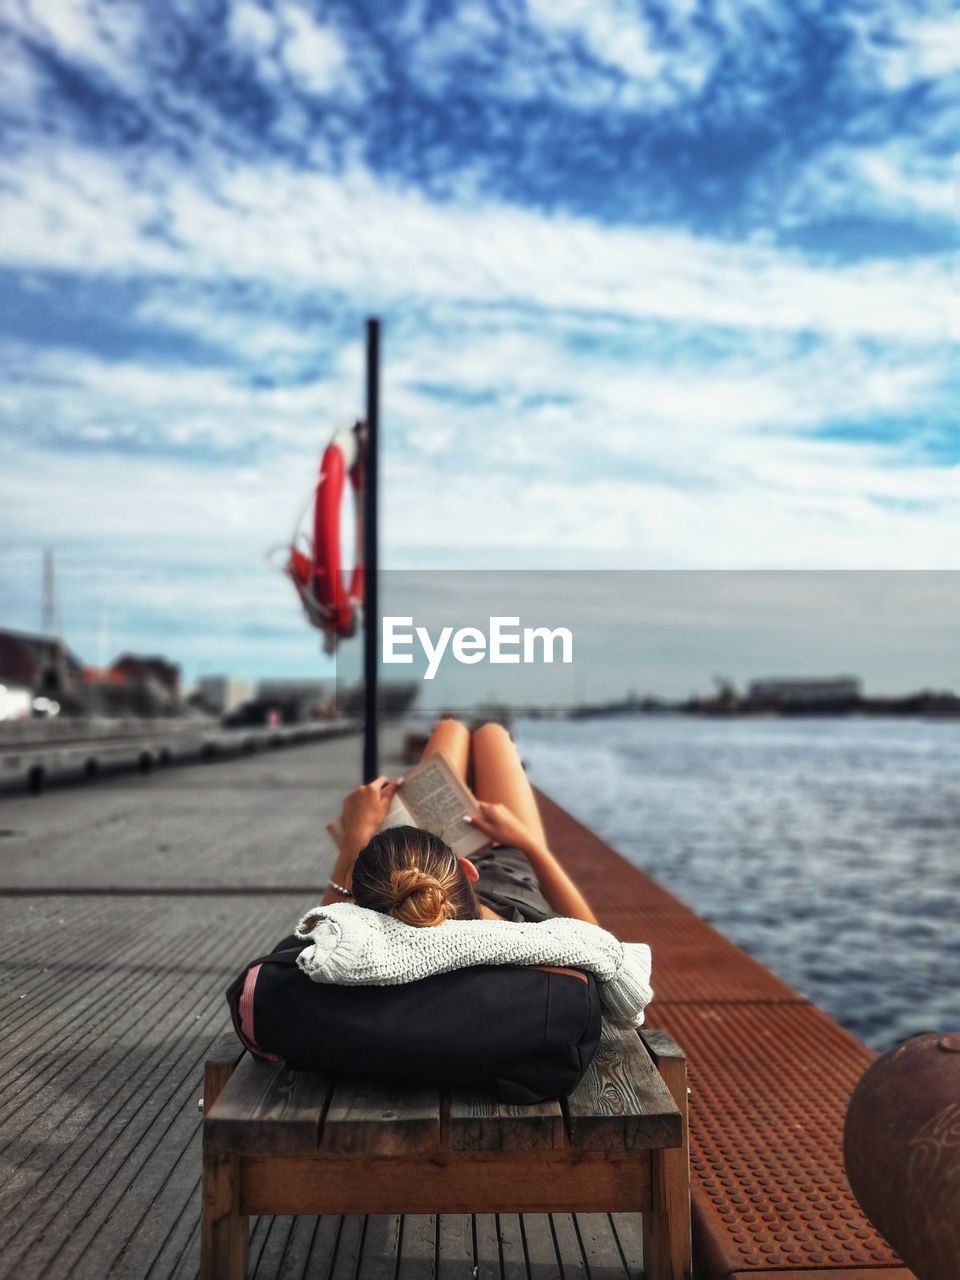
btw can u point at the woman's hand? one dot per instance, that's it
(500, 824)
(364, 809)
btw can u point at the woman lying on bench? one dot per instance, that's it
(412, 875)
(530, 910)
(430, 962)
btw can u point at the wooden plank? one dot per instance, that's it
(171, 1249)
(265, 1109)
(349, 1244)
(487, 1245)
(600, 1246)
(568, 1246)
(622, 1104)
(159, 1197)
(511, 1246)
(541, 1250)
(186, 1267)
(628, 1228)
(270, 1241)
(418, 1247)
(480, 1123)
(455, 1246)
(381, 1117)
(660, 1044)
(105, 1140)
(381, 1247)
(534, 1182)
(321, 1242)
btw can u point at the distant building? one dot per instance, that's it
(222, 694)
(134, 685)
(295, 700)
(153, 669)
(801, 694)
(42, 664)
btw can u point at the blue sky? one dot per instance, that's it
(664, 285)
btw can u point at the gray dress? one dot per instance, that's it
(508, 885)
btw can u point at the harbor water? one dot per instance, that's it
(829, 849)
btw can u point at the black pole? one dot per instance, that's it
(371, 604)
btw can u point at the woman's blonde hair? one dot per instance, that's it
(412, 875)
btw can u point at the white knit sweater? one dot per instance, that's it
(354, 946)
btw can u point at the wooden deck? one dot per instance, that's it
(126, 907)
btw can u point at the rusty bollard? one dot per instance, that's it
(901, 1149)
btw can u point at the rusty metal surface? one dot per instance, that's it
(770, 1077)
(770, 1085)
(833, 1273)
(703, 964)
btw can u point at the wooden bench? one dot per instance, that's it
(282, 1142)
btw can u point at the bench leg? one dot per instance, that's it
(224, 1230)
(667, 1251)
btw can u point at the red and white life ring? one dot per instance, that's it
(331, 604)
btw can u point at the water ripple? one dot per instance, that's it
(828, 849)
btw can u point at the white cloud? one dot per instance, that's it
(252, 29)
(613, 31)
(898, 49)
(19, 84)
(895, 179)
(538, 52)
(906, 181)
(153, 407)
(80, 211)
(288, 42)
(774, 516)
(648, 407)
(313, 55)
(673, 467)
(105, 43)
(268, 344)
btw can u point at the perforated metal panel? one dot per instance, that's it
(770, 1077)
(770, 1084)
(692, 962)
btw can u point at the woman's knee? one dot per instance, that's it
(451, 724)
(492, 732)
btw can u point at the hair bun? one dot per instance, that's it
(418, 898)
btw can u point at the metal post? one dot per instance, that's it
(371, 604)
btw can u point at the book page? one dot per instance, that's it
(398, 815)
(438, 800)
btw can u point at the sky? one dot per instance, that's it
(663, 286)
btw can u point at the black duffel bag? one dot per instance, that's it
(521, 1033)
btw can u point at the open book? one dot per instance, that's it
(432, 797)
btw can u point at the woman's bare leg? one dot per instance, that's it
(498, 776)
(453, 739)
